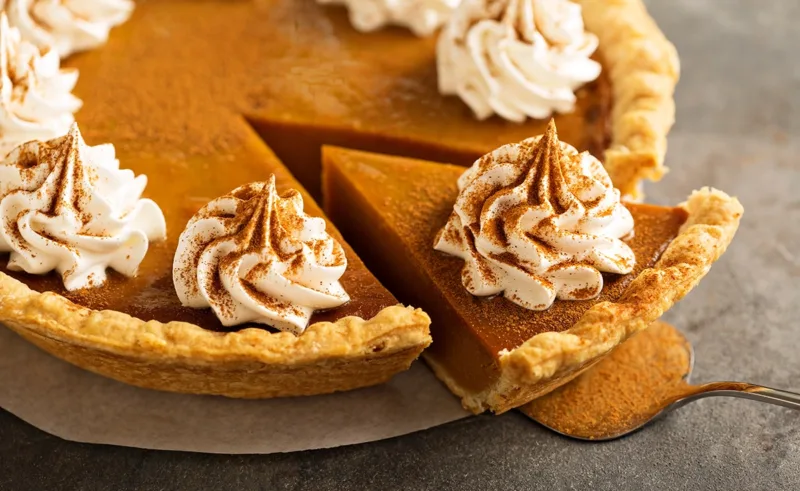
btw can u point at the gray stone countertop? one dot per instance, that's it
(738, 129)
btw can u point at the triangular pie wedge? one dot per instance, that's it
(136, 331)
(490, 352)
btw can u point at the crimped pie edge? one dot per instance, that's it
(182, 357)
(644, 68)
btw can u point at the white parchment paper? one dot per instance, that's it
(73, 404)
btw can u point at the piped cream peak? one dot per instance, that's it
(255, 256)
(68, 207)
(536, 221)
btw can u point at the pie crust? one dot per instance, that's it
(644, 69)
(551, 359)
(182, 357)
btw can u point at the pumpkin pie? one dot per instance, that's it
(491, 351)
(204, 97)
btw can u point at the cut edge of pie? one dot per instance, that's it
(551, 359)
(182, 357)
(644, 68)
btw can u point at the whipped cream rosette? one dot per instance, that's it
(516, 58)
(536, 221)
(67, 26)
(255, 256)
(36, 101)
(422, 17)
(68, 207)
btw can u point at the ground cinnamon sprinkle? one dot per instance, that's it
(621, 390)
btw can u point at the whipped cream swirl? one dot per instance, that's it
(422, 17)
(536, 221)
(68, 207)
(255, 256)
(516, 58)
(36, 101)
(67, 26)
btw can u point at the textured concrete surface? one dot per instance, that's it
(738, 129)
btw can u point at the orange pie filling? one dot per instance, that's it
(383, 97)
(301, 76)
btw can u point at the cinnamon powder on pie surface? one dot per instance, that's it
(622, 390)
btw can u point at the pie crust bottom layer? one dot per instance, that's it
(252, 363)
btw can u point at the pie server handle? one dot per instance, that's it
(744, 390)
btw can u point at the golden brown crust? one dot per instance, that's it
(181, 357)
(551, 359)
(643, 68)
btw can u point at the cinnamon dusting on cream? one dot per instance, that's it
(69, 207)
(518, 59)
(36, 100)
(538, 220)
(255, 256)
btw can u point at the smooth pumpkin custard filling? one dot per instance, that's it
(301, 76)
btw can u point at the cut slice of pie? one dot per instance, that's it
(136, 330)
(491, 352)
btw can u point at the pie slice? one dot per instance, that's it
(489, 351)
(136, 330)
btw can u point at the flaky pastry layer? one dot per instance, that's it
(644, 69)
(182, 357)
